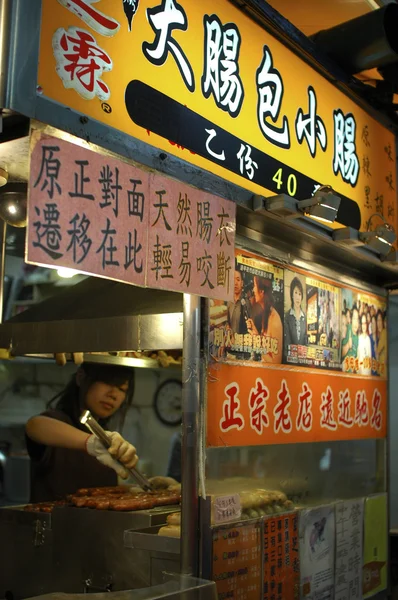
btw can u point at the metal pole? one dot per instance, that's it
(5, 40)
(3, 236)
(190, 434)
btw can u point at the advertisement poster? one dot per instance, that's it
(317, 545)
(281, 558)
(280, 316)
(349, 549)
(375, 549)
(250, 327)
(363, 333)
(311, 322)
(236, 566)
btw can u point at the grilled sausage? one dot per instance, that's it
(133, 504)
(103, 491)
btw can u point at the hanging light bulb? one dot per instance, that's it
(13, 204)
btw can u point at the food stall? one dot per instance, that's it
(204, 180)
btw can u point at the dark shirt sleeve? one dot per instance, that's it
(174, 467)
(39, 453)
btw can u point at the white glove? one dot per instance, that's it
(119, 452)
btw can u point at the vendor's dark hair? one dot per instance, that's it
(68, 400)
(296, 283)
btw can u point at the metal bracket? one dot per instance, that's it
(96, 587)
(39, 532)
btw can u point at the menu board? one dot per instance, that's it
(349, 548)
(236, 564)
(281, 558)
(317, 547)
(363, 333)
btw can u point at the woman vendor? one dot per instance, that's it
(64, 456)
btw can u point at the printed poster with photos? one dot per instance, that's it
(250, 327)
(311, 322)
(363, 333)
(284, 316)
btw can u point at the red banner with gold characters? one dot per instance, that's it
(249, 405)
(281, 558)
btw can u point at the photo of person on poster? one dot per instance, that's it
(373, 339)
(295, 336)
(265, 320)
(345, 334)
(238, 313)
(295, 318)
(364, 337)
(364, 348)
(249, 327)
(312, 324)
(381, 333)
(238, 310)
(351, 346)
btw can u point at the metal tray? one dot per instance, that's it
(19, 516)
(148, 539)
(136, 519)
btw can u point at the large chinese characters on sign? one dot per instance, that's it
(238, 102)
(250, 406)
(104, 217)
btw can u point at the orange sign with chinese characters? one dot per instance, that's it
(204, 82)
(281, 558)
(237, 561)
(249, 406)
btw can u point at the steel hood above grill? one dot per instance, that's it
(97, 315)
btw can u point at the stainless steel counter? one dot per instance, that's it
(79, 550)
(174, 587)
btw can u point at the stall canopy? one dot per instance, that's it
(97, 315)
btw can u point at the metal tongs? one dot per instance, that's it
(95, 428)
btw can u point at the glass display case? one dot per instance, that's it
(309, 474)
(296, 451)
